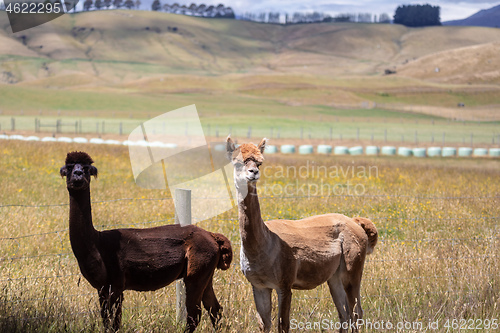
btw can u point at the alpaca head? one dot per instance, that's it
(78, 170)
(246, 160)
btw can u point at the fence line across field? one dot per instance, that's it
(235, 219)
(384, 131)
(269, 197)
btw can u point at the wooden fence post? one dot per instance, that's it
(182, 203)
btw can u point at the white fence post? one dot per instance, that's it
(182, 202)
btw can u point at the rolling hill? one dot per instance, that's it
(120, 52)
(483, 18)
(473, 64)
(111, 47)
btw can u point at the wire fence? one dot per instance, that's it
(414, 256)
(408, 131)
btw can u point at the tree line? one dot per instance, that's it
(101, 4)
(219, 11)
(202, 10)
(417, 15)
(297, 17)
(408, 15)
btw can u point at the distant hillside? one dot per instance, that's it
(477, 64)
(484, 18)
(115, 47)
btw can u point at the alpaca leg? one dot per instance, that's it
(105, 313)
(352, 284)
(284, 301)
(340, 299)
(116, 310)
(211, 304)
(354, 301)
(194, 294)
(111, 309)
(262, 298)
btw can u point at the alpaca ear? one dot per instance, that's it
(63, 171)
(93, 171)
(230, 147)
(262, 145)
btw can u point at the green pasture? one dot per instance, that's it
(119, 111)
(319, 129)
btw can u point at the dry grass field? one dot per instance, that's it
(436, 261)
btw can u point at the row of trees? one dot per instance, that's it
(284, 18)
(192, 10)
(101, 4)
(408, 15)
(361, 18)
(202, 10)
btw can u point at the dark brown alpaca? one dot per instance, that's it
(141, 259)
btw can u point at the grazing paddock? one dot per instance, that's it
(436, 260)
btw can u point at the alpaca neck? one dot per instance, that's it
(254, 233)
(82, 234)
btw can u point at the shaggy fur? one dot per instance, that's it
(297, 254)
(370, 230)
(248, 151)
(78, 157)
(116, 260)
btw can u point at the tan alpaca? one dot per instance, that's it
(302, 254)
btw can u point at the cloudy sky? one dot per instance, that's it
(450, 9)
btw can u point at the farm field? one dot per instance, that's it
(436, 260)
(116, 114)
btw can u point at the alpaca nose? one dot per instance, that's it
(254, 171)
(78, 172)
